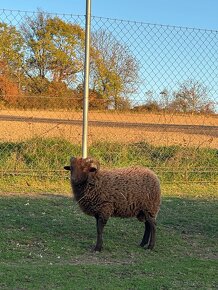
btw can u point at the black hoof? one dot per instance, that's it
(96, 249)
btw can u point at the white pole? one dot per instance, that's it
(86, 80)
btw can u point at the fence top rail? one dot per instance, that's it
(36, 11)
(115, 20)
(156, 24)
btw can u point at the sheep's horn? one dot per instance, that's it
(89, 159)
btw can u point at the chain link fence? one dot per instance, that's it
(153, 96)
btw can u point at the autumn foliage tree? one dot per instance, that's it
(11, 58)
(114, 71)
(9, 90)
(11, 48)
(55, 51)
(44, 60)
(56, 55)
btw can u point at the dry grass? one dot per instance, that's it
(16, 131)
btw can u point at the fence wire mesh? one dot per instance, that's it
(153, 97)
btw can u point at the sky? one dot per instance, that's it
(192, 55)
(187, 13)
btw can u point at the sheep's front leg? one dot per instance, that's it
(100, 223)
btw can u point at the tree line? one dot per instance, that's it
(190, 97)
(42, 63)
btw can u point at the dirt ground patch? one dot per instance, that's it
(22, 130)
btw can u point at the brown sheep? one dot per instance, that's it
(126, 192)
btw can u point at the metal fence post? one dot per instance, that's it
(86, 80)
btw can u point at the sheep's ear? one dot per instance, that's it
(67, 167)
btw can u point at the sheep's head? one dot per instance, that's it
(81, 169)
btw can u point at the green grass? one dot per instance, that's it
(37, 164)
(46, 242)
(51, 154)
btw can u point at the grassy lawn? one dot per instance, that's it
(46, 242)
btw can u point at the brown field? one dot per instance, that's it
(161, 118)
(22, 130)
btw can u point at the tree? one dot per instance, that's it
(192, 96)
(55, 50)
(9, 90)
(11, 53)
(66, 49)
(11, 46)
(113, 71)
(37, 42)
(165, 98)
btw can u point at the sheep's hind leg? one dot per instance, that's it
(142, 217)
(147, 234)
(100, 223)
(152, 234)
